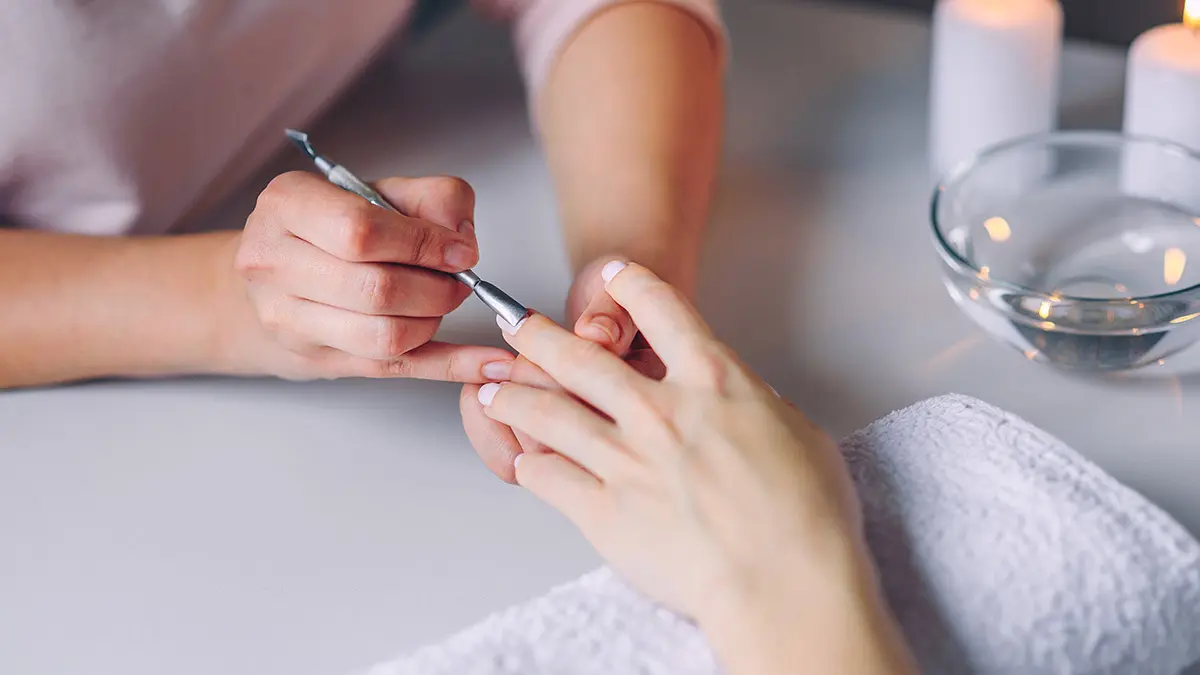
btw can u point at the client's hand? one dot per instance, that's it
(705, 490)
(597, 317)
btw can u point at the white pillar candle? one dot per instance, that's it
(994, 77)
(1162, 100)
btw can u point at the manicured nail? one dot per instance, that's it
(611, 269)
(487, 393)
(499, 371)
(517, 460)
(466, 227)
(460, 256)
(508, 327)
(603, 327)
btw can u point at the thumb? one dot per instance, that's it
(605, 322)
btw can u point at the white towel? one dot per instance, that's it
(1001, 551)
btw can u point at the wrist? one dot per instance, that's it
(828, 615)
(234, 326)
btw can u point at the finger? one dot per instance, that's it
(444, 200)
(560, 483)
(493, 441)
(369, 337)
(665, 318)
(351, 228)
(528, 373)
(606, 323)
(431, 361)
(380, 289)
(556, 421)
(583, 367)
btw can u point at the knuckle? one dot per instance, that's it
(392, 337)
(273, 316)
(357, 231)
(423, 249)
(398, 367)
(586, 351)
(380, 289)
(280, 188)
(452, 190)
(252, 257)
(449, 367)
(711, 365)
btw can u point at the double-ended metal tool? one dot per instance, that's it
(500, 302)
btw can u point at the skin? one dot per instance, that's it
(704, 489)
(631, 121)
(317, 286)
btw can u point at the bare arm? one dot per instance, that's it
(308, 289)
(75, 307)
(630, 117)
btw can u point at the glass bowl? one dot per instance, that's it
(1081, 249)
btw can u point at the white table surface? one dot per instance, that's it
(210, 526)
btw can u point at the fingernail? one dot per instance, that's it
(611, 269)
(487, 393)
(508, 327)
(517, 460)
(460, 256)
(604, 328)
(466, 227)
(498, 370)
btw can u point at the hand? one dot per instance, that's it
(598, 318)
(338, 287)
(704, 489)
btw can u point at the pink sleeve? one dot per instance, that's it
(543, 27)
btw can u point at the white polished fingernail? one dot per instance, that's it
(517, 460)
(508, 327)
(487, 393)
(611, 269)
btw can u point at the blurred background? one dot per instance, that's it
(1111, 21)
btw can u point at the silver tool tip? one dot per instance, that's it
(301, 140)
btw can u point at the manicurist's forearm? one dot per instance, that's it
(630, 117)
(76, 307)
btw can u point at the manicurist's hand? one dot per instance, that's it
(327, 285)
(705, 489)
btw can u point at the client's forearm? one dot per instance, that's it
(76, 307)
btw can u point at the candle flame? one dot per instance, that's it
(985, 272)
(998, 229)
(1174, 262)
(1191, 14)
(1044, 310)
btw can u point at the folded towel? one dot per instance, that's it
(1000, 549)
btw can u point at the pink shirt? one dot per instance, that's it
(94, 93)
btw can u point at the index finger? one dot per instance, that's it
(584, 368)
(352, 229)
(674, 329)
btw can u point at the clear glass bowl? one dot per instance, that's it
(1081, 249)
